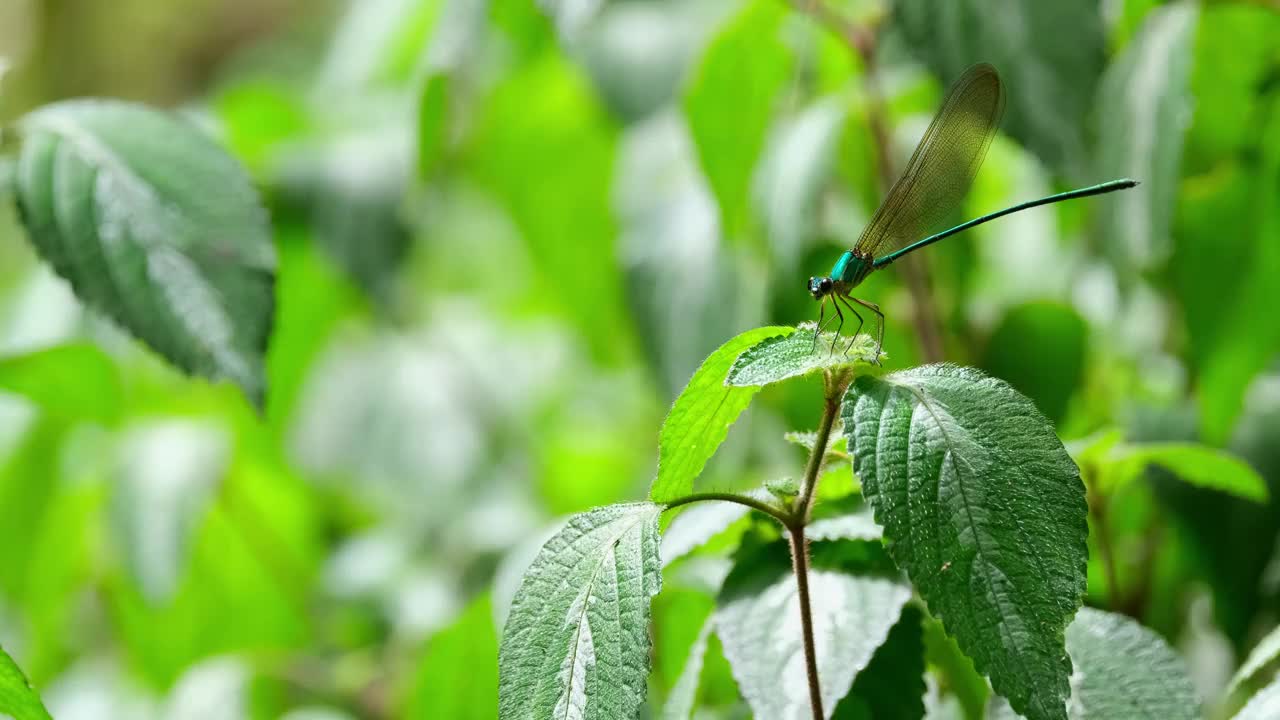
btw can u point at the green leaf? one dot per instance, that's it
(794, 355)
(700, 417)
(892, 687)
(157, 227)
(1049, 54)
(1143, 111)
(1199, 465)
(76, 382)
(17, 699)
(784, 489)
(1264, 656)
(576, 643)
(1123, 670)
(458, 677)
(746, 65)
(758, 620)
(986, 512)
(1263, 706)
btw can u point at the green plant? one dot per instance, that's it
(984, 524)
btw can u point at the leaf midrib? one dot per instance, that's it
(981, 551)
(589, 587)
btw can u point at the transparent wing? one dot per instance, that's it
(943, 166)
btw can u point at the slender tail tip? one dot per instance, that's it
(1128, 182)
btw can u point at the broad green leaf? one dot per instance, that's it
(758, 620)
(1263, 656)
(729, 103)
(892, 686)
(1049, 55)
(155, 226)
(1039, 348)
(17, 698)
(77, 382)
(796, 354)
(1199, 465)
(700, 417)
(458, 677)
(576, 643)
(1123, 670)
(1263, 706)
(985, 511)
(684, 695)
(1143, 111)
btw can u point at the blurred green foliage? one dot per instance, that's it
(508, 234)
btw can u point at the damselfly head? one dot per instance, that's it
(820, 287)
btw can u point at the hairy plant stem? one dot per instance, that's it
(764, 507)
(800, 563)
(795, 519)
(799, 546)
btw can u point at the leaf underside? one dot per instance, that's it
(758, 621)
(576, 644)
(1122, 670)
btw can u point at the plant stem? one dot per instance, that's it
(764, 507)
(800, 563)
(800, 547)
(809, 484)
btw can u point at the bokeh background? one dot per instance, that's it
(510, 231)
